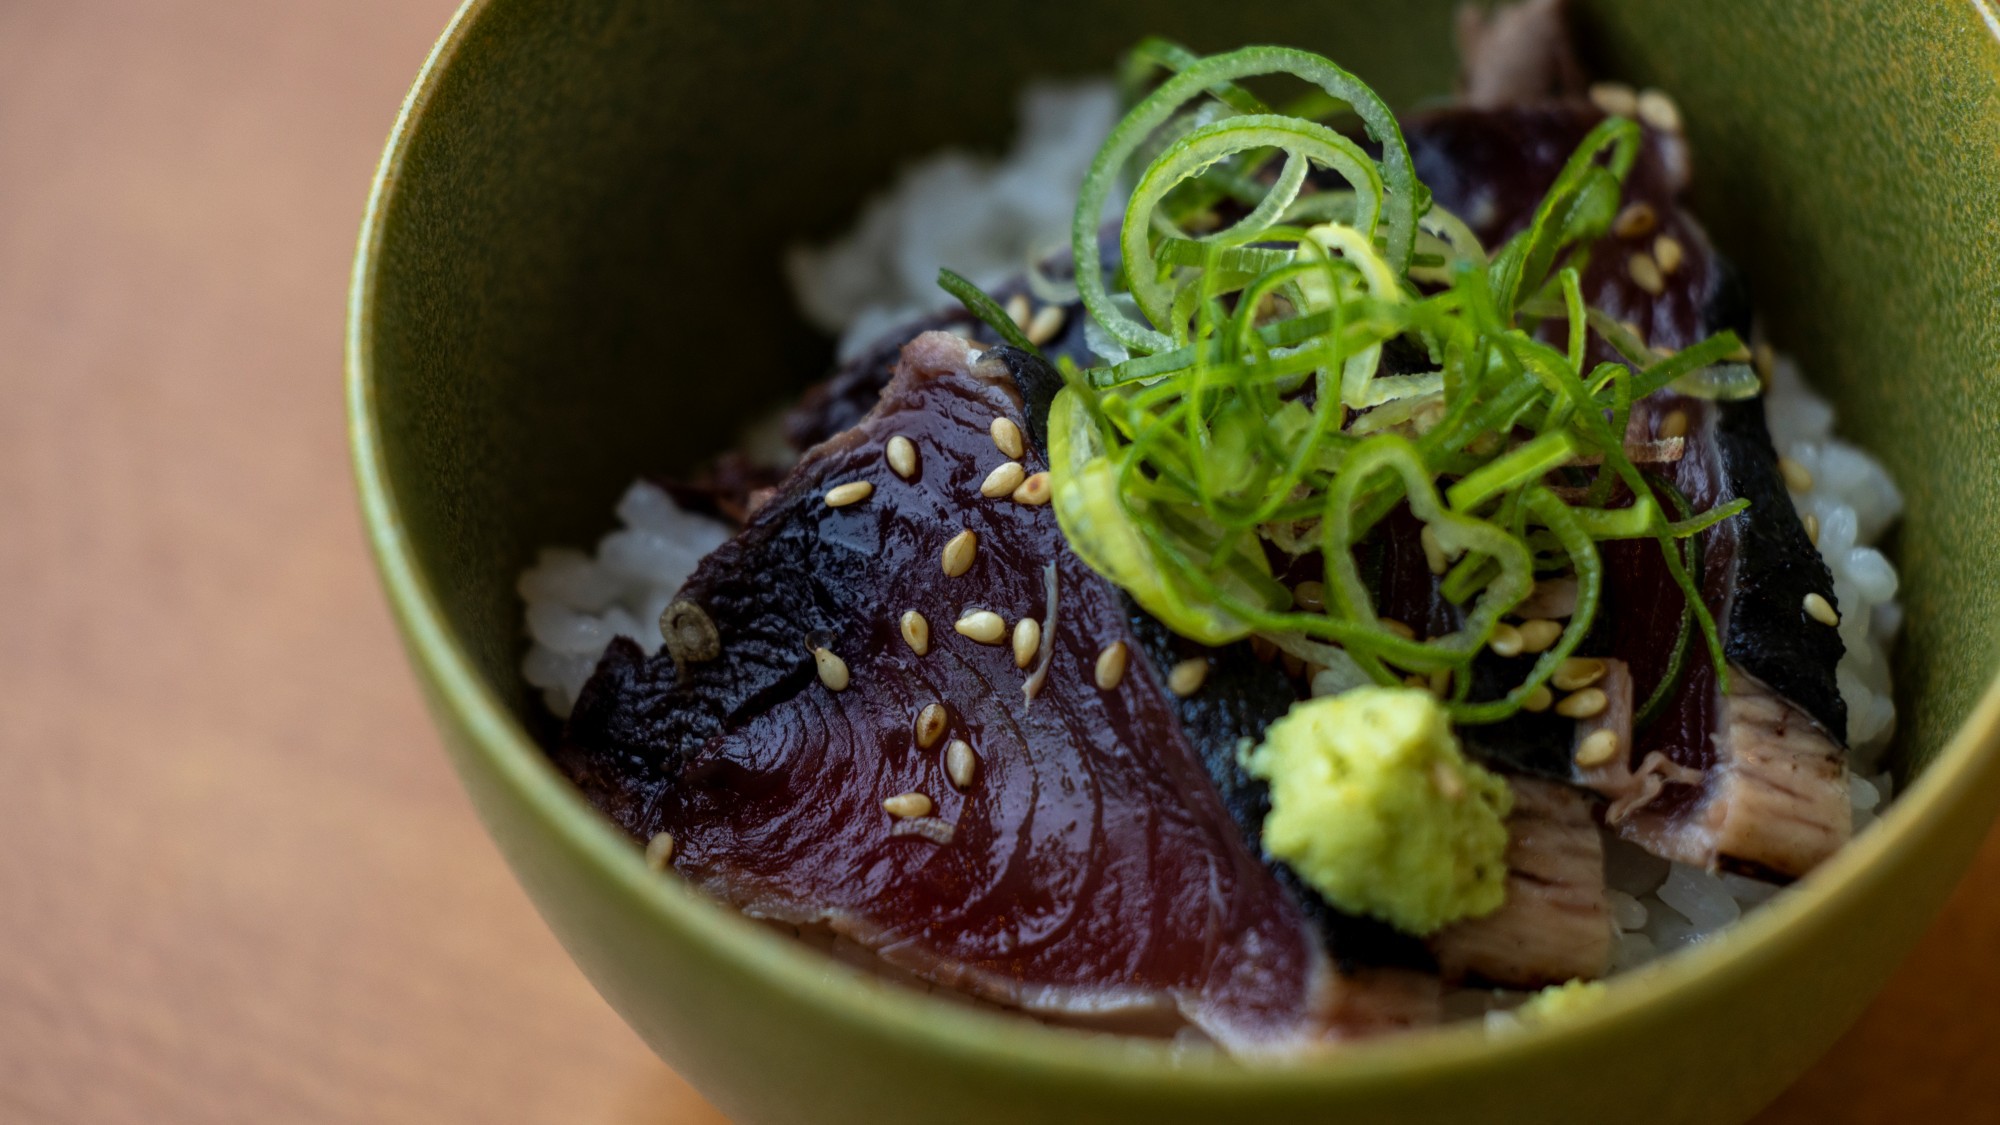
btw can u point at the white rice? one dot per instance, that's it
(985, 219)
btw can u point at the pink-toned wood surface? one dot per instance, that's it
(237, 882)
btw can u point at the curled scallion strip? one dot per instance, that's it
(1254, 424)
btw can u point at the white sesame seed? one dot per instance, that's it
(907, 806)
(1111, 666)
(1043, 326)
(916, 631)
(1506, 640)
(1310, 595)
(660, 851)
(931, 722)
(1449, 785)
(1539, 698)
(1586, 704)
(1798, 478)
(1597, 748)
(1027, 641)
(1635, 220)
(1007, 437)
(1821, 610)
(1674, 425)
(1668, 252)
(832, 669)
(960, 763)
(1646, 273)
(959, 553)
(1812, 528)
(982, 625)
(1657, 109)
(1615, 98)
(1434, 553)
(1537, 635)
(1003, 480)
(1186, 677)
(1577, 672)
(853, 492)
(1034, 491)
(902, 455)
(1018, 309)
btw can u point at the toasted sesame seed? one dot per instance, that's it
(1434, 553)
(931, 722)
(1027, 641)
(960, 763)
(660, 851)
(1597, 748)
(1398, 628)
(982, 625)
(1292, 663)
(1440, 682)
(907, 805)
(1003, 480)
(916, 631)
(959, 552)
(1821, 610)
(902, 456)
(1043, 326)
(1615, 98)
(1537, 635)
(1262, 648)
(1674, 425)
(1034, 491)
(832, 669)
(1449, 785)
(1007, 437)
(1577, 672)
(1018, 308)
(1506, 640)
(1635, 220)
(1539, 698)
(1645, 273)
(1416, 681)
(853, 492)
(1586, 704)
(1763, 357)
(1667, 251)
(1657, 109)
(1812, 528)
(1633, 330)
(1742, 354)
(1187, 677)
(1798, 478)
(1310, 595)
(1111, 666)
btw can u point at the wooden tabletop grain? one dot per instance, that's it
(237, 882)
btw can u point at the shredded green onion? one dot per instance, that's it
(1252, 419)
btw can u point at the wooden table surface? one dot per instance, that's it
(237, 881)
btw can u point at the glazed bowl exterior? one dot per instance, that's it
(568, 276)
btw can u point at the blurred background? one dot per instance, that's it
(237, 881)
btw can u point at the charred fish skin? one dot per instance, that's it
(1777, 568)
(1087, 870)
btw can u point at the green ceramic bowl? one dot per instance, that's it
(581, 201)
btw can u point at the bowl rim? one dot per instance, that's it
(1756, 942)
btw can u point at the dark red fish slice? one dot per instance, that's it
(1089, 870)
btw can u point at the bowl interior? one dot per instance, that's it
(572, 275)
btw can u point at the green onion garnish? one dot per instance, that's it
(1252, 418)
